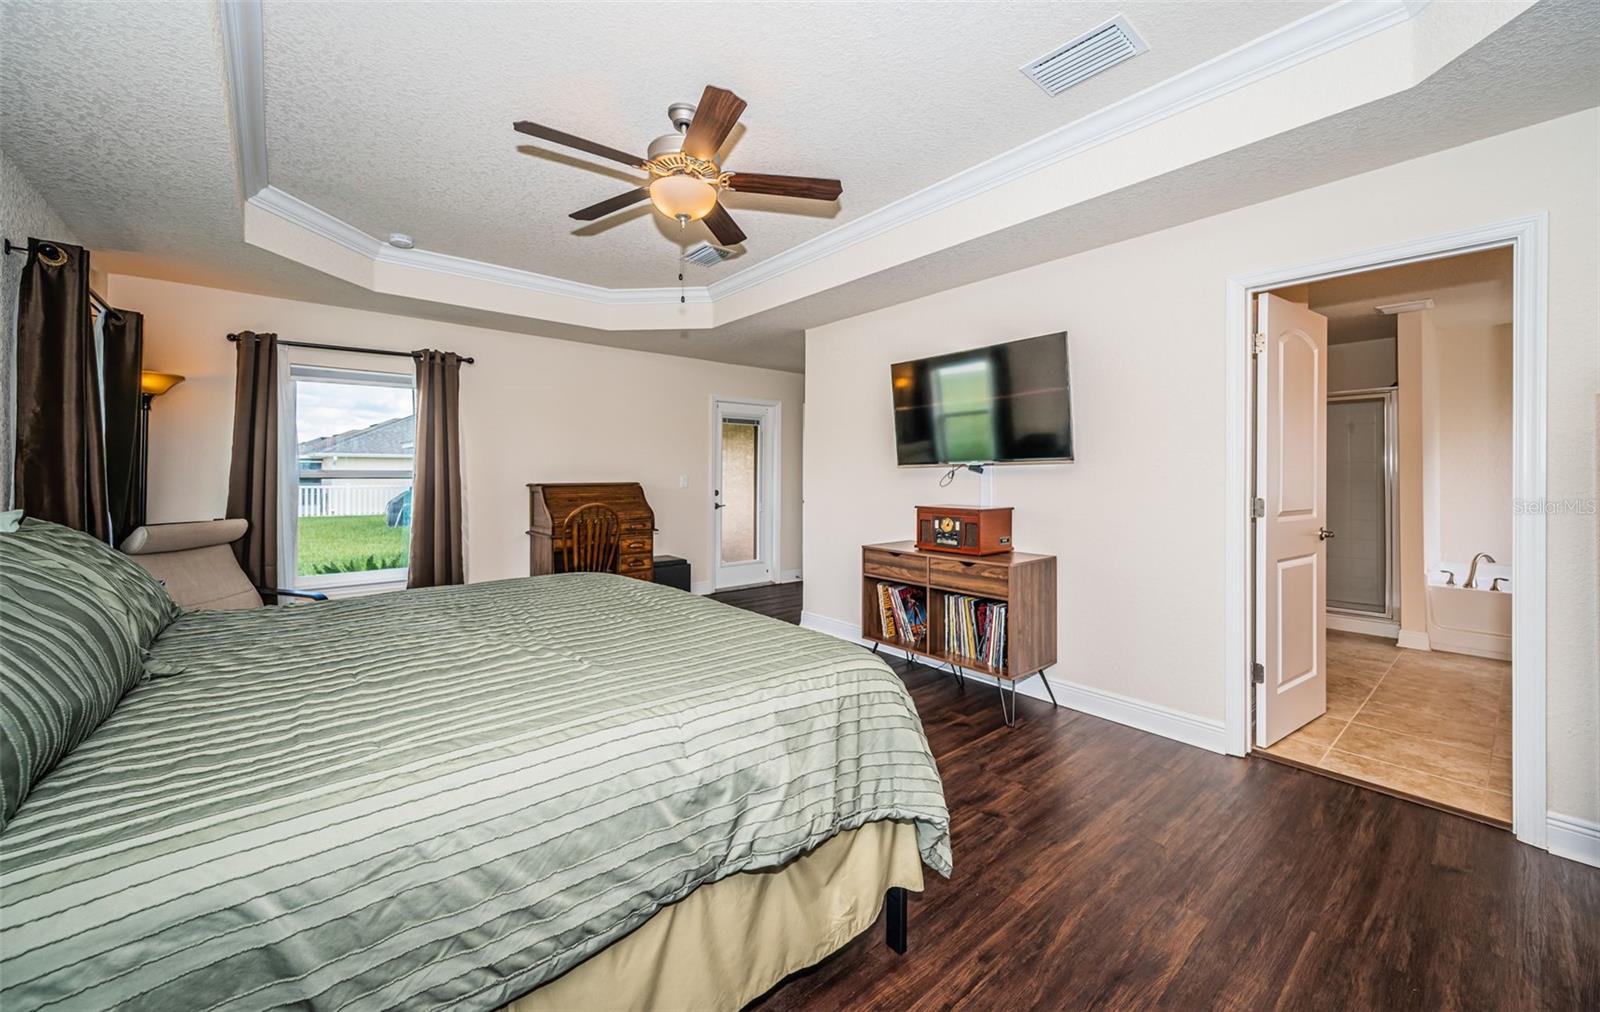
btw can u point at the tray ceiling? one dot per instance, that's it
(401, 121)
(141, 153)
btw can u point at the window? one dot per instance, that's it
(355, 435)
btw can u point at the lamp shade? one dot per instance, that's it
(685, 197)
(154, 384)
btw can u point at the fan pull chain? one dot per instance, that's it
(681, 298)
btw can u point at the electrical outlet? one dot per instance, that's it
(683, 481)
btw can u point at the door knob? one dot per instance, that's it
(1323, 534)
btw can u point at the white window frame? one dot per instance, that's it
(334, 584)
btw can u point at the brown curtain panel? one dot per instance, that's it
(122, 341)
(253, 476)
(60, 468)
(436, 551)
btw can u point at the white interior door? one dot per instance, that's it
(743, 486)
(1291, 533)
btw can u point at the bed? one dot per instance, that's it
(556, 791)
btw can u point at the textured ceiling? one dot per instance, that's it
(403, 122)
(1473, 288)
(137, 156)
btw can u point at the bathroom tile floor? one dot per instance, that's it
(1433, 727)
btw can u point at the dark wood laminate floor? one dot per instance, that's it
(1098, 866)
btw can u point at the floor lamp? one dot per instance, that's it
(151, 386)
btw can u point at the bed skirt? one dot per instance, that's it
(730, 941)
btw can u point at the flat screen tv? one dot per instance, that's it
(1007, 403)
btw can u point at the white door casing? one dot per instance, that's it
(1291, 552)
(762, 567)
(1528, 238)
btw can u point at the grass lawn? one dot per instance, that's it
(351, 544)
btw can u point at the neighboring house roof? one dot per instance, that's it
(394, 437)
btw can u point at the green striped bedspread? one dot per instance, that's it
(438, 798)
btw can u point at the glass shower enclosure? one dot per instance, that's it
(1362, 463)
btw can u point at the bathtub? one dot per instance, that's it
(1470, 620)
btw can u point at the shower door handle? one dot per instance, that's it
(1323, 534)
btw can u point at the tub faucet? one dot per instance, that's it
(1472, 570)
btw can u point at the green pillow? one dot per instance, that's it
(75, 620)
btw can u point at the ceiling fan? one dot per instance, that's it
(685, 176)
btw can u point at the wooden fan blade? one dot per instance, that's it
(786, 186)
(616, 203)
(720, 222)
(551, 134)
(714, 117)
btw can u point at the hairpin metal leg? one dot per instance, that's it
(894, 919)
(1051, 691)
(1008, 712)
(961, 681)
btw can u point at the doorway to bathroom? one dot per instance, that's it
(1382, 501)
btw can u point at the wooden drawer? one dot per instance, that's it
(884, 565)
(971, 576)
(633, 544)
(635, 565)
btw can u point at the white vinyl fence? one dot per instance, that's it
(352, 500)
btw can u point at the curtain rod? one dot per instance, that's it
(466, 360)
(99, 300)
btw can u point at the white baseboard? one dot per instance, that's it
(1136, 713)
(1567, 836)
(1410, 639)
(1365, 626)
(702, 587)
(1573, 838)
(832, 626)
(789, 576)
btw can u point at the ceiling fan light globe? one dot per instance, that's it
(683, 197)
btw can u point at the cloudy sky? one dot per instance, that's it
(323, 409)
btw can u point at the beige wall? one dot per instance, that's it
(1471, 423)
(1138, 520)
(533, 409)
(1361, 365)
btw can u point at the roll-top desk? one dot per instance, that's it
(550, 503)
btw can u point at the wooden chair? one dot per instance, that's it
(593, 539)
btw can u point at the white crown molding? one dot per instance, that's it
(313, 219)
(244, 58)
(316, 221)
(1321, 32)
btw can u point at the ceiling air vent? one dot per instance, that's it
(1085, 56)
(706, 255)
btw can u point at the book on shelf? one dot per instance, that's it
(975, 628)
(902, 617)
